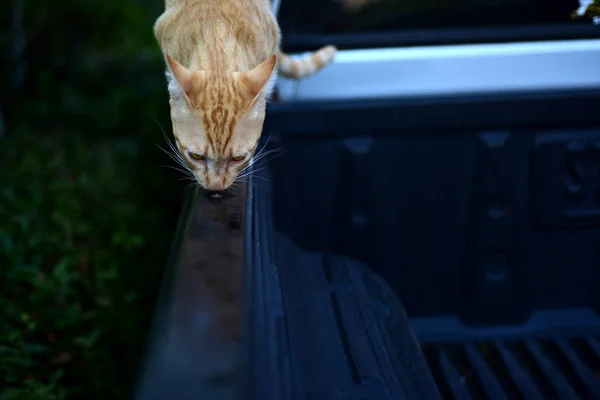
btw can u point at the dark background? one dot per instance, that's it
(87, 210)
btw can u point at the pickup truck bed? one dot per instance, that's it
(398, 250)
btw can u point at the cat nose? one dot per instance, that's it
(216, 187)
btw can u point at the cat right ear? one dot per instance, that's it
(257, 80)
(184, 76)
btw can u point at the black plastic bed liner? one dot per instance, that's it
(550, 368)
(320, 326)
(342, 333)
(323, 326)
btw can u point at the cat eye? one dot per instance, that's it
(196, 156)
(237, 158)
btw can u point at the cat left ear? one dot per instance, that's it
(183, 75)
(256, 79)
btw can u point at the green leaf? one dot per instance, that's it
(89, 340)
(14, 394)
(61, 270)
(35, 348)
(6, 349)
(6, 243)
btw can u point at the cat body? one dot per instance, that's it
(222, 58)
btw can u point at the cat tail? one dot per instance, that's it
(296, 68)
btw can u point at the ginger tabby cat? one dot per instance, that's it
(222, 58)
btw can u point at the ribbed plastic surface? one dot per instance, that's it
(323, 327)
(487, 209)
(557, 368)
(349, 335)
(481, 213)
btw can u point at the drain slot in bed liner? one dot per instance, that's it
(553, 368)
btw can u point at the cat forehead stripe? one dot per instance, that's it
(219, 125)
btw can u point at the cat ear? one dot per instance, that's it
(258, 79)
(183, 75)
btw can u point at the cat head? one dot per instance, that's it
(217, 119)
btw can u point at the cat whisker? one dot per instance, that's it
(265, 158)
(258, 153)
(193, 185)
(193, 181)
(175, 155)
(262, 178)
(170, 153)
(264, 144)
(261, 152)
(259, 158)
(245, 173)
(177, 159)
(185, 172)
(252, 173)
(274, 152)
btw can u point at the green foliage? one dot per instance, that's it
(92, 65)
(86, 212)
(81, 253)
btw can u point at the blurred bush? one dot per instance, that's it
(86, 212)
